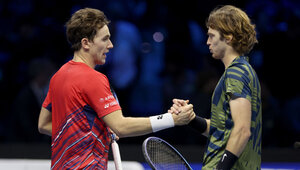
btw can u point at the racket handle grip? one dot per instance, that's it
(116, 155)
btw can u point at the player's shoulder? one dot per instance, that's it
(91, 77)
(78, 72)
(239, 66)
(83, 71)
(91, 73)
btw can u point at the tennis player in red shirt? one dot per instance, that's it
(80, 109)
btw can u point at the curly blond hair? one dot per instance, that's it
(230, 20)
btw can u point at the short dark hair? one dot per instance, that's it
(84, 23)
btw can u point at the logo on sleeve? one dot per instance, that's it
(110, 104)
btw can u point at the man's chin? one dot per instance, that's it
(215, 56)
(101, 62)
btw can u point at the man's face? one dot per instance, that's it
(216, 46)
(101, 45)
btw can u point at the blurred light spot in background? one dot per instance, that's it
(158, 37)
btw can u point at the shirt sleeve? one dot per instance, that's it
(237, 82)
(48, 102)
(98, 95)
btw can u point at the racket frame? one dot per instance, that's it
(148, 159)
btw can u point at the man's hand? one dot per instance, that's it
(198, 123)
(177, 106)
(185, 115)
(115, 135)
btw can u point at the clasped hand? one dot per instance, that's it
(182, 112)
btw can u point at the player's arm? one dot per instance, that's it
(45, 122)
(206, 132)
(129, 126)
(240, 134)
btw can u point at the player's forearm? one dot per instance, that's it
(45, 122)
(141, 126)
(129, 126)
(46, 129)
(238, 140)
(207, 128)
(133, 127)
(200, 124)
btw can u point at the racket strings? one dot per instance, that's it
(163, 157)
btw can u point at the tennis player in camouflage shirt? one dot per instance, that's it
(234, 129)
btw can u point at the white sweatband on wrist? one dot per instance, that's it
(160, 122)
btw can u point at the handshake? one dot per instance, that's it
(182, 112)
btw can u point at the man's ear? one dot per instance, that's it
(228, 38)
(85, 43)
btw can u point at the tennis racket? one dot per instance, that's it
(116, 153)
(159, 154)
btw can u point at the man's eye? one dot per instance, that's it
(105, 38)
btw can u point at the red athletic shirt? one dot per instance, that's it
(78, 98)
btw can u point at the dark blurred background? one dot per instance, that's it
(160, 53)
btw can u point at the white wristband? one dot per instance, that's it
(160, 122)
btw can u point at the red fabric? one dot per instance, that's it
(78, 97)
